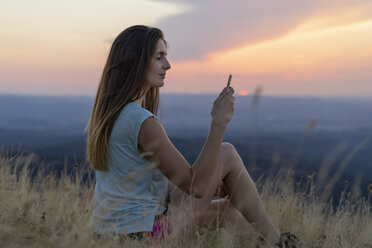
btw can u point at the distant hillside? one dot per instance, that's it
(192, 113)
(263, 156)
(276, 131)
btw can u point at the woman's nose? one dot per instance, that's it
(166, 66)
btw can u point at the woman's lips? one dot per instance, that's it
(162, 75)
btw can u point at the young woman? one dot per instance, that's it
(136, 164)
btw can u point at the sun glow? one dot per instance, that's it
(243, 93)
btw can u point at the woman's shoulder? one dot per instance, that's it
(135, 109)
(134, 113)
(129, 121)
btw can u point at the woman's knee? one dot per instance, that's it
(228, 147)
(231, 155)
(228, 151)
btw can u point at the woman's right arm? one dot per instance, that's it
(159, 149)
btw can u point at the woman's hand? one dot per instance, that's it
(223, 107)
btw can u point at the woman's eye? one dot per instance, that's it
(158, 58)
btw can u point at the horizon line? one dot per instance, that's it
(200, 94)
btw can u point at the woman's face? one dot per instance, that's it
(158, 66)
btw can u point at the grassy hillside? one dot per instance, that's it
(50, 211)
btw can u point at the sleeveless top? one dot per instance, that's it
(129, 195)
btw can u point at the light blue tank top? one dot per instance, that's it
(128, 196)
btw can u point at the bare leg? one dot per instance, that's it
(244, 196)
(221, 213)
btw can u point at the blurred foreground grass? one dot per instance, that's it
(51, 211)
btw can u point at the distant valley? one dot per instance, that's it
(275, 133)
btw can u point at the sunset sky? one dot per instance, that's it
(286, 47)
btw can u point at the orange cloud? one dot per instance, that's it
(301, 55)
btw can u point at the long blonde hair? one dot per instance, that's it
(122, 81)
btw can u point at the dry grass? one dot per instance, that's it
(51, 212)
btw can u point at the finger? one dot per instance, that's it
(231, 90)
(228, 95)
(222, 94)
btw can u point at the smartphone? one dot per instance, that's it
(228, 81)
